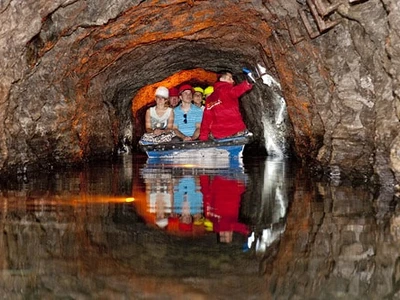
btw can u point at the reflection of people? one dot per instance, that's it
(159, 119)
(186, 190)
(186, 218)
(221, 201)
(155, 206)
(188, 202)
(160, 203)
(222, 117)
(187, 116)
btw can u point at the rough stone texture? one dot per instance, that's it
(71, 70)
(344, 247)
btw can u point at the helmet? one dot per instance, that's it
(162, 92)
(173, 92)
(184, 88)
(199, 89)
(208, 90)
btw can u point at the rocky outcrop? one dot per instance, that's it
(73, 75)
(345, 246)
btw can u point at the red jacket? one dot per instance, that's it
(221, 114)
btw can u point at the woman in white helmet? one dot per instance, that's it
(159, 119)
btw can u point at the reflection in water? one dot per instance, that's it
(210, 197)
(274, 187)
(194, 200)
(222, 197)
(132, 230)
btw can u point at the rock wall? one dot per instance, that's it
(342, 247)
(71, 69)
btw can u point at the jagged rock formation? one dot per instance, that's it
(73, 72)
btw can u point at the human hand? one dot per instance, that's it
(157, 131)
(249, 75)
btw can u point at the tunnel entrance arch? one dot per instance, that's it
(264, 110)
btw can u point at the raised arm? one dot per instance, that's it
(241, 88)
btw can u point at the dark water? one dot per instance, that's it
(137, 230)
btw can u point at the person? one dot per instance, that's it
(208, 91)
(187, 116)
(222, 116)
(198, 97)
(159, 119)
(173, 97)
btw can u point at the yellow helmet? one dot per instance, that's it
(208, 90)
(199, 89)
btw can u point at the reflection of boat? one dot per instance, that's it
(227, 147)
(177, 168)
(198, 163)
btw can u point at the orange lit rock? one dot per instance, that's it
(146, 94)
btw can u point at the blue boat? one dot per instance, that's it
(220, 150)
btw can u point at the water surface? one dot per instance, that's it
(134, 229)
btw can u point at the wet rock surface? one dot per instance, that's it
(72, 70)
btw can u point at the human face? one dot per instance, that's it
(197, 98)
(228, 78)
(173, 101)
(186, 96)
(160, 100)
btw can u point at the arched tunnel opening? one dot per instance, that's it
(170, 68)
(271, 138)
(77, 76)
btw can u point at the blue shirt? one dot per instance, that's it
(186, 122)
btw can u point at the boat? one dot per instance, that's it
(217, 149)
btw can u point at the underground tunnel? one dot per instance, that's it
(76, 76)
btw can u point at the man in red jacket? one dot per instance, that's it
(221, 117)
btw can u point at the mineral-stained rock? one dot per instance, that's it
(73, 76)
